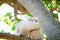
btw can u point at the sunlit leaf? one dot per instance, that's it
(13, 27)
(56, 15)
(49, 4)
(30, 15)
(6, 21)
(9, 23)
(44, 37)
(58, 7)
(9, 14)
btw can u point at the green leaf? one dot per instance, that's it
(9, 23)
(30, 15)
(56, 15)
(13, 20)
(58, 7)
(2, 31)
(49, 4)
(14, 26)
(9, 14)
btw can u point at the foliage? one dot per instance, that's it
(29, 15)
(10, 21)
(53, 5)
(2, 31)
(56, 15)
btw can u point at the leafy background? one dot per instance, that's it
(8, 22)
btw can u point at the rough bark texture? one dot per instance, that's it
(49, 25)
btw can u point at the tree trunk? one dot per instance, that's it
(46, 19)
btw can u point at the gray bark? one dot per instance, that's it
(46, 19)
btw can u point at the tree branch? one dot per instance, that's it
(8, 36)
(46, 19)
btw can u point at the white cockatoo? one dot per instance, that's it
(29, 28)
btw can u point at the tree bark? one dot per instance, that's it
(46, 19)
(9, 36)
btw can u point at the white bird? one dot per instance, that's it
(30, 29)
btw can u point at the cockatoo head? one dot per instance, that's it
(29, 28)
